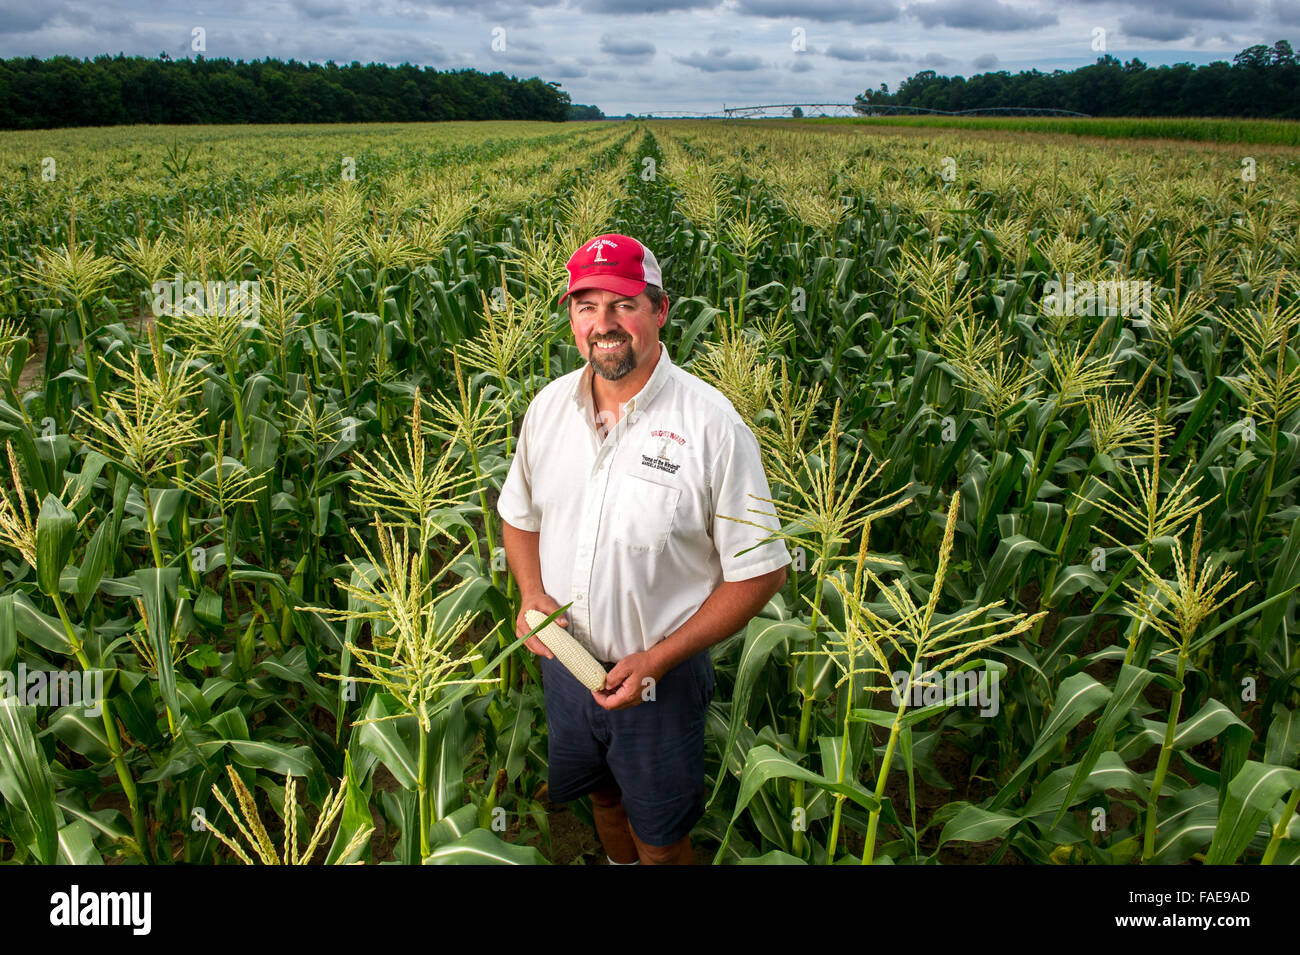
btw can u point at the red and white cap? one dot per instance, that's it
(617, 263)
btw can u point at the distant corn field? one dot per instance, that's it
(1269, 132)
(1030, 414)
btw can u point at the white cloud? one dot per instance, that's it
(684, 54)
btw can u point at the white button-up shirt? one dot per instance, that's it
(630, 523)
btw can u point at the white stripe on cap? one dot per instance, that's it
(653, 274)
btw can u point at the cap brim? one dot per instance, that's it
(610, 283)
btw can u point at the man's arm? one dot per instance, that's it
(523, 557)
(526, 564)
(728, 609)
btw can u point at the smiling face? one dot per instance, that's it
(615, 333)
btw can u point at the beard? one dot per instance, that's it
(613, 367)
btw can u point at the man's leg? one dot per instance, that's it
(657, 756)
(576, 758)
(612, 826)
(679, 853)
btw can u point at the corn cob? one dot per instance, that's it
(568, 651)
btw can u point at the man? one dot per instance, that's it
(612, 501)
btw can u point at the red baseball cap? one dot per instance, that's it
(617, 263)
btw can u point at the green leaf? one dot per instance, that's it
(109, 823)
(1063, 789)
(714, 826)
(19, 351)
(158, 586)
(77, 845)
(1076, 697)
(292, 667)
(480, 847)
(515, 743)
(354, 818)
(764, 764)
(1206, 404)
(1073, 579)
(26, 783)
(8, 632)
(972, 824)
(761, 637)
(166, 501)
(1011, 555)
(1251, 795)
(208, 609)
(447, 761)
(54, 453)
(276, 757)
(204, 655)
(982, 693)
(56, 532)
(451, 827)
(91, 572)
(1187, 823)
(321, 513)
(1282, 745)
(1211, 720)
(386, 742)
(1128, 687)
(79, 490)
(229, 724)
(775, 857)
(1273, 636)
(84, 735)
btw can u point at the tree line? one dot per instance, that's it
(112, 90)
(1260, 82)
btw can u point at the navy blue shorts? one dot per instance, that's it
(653, 752)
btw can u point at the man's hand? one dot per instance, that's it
(547, 605)
(624, 685)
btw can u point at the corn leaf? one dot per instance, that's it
(56, 531)
(761, 637)
(1252, 793)
(1078, 696)
(354, 818)
(26, 783)
(973, 824)
(480, 847)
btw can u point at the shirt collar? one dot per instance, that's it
(582, 390)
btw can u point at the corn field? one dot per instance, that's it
(1030, 413)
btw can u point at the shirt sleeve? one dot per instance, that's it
(738, 484)
(515, 505)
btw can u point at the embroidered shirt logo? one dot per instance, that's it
(664, 444)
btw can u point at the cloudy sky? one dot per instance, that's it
(646, 55)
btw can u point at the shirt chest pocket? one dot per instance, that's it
(643, 513)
